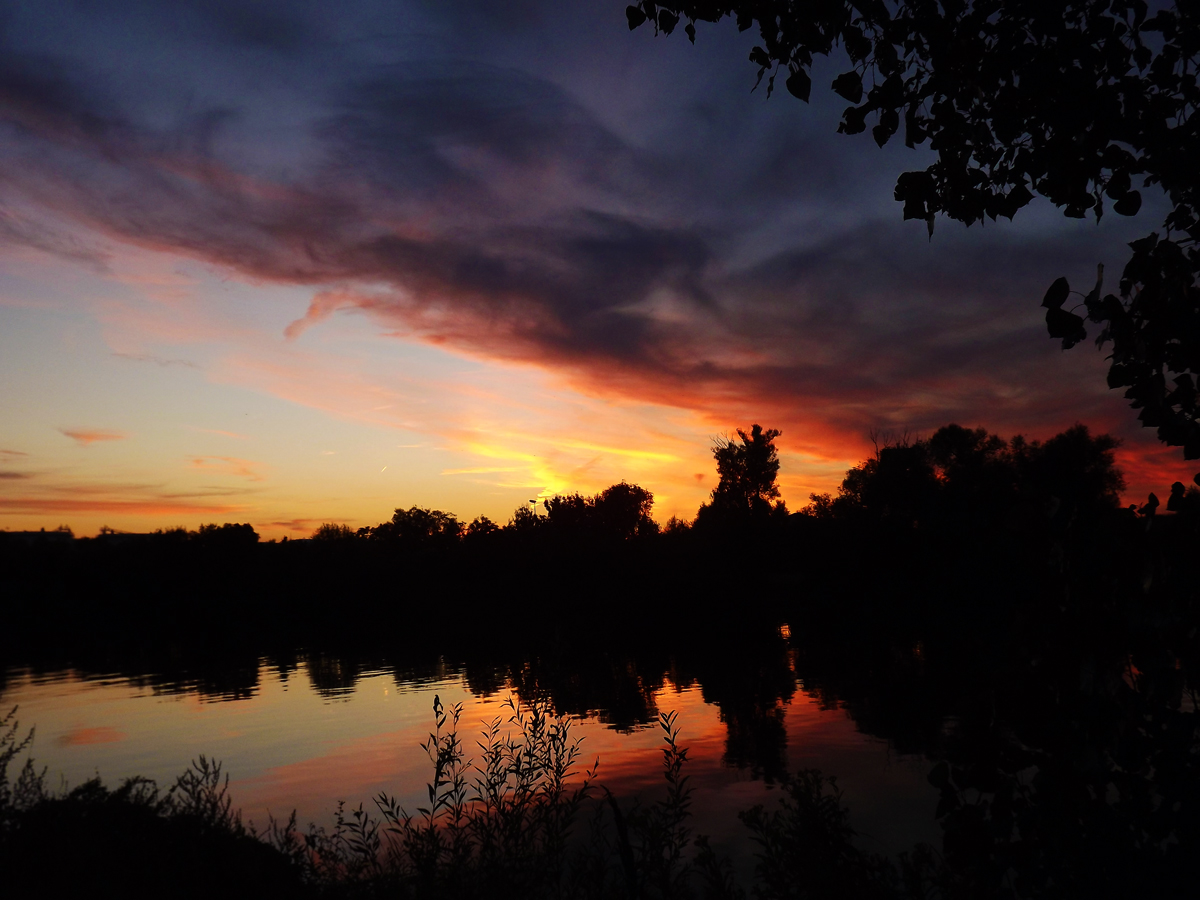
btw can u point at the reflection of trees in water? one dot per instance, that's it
(883, 682)
(223, 677)
(1050, 669)
(749, 679)
(618, 689)
(756, 739)
(485, 678)
(1059, 706)
(750, 685)
(332, 676)
(1079, 774)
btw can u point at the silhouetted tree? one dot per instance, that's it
(569, 514)
(481, 526)
(524, 521)
(1074, 468)
(227, 535)
(623, 510)
(417, 526)
(1076, 102)
(677, 526)
(174, 535)
(620, 511)
(899, 484)
(959, 476)
(954, 450)
(747, 470)
(974, 469)
(329, 531)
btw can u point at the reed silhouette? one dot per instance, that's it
(135, 840)
(526, 819)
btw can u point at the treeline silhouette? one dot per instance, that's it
(949, 532)
(985, 602)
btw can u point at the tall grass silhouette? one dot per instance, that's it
(509, 822)
(522, 817)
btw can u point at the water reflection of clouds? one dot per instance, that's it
(103, 734)
(288, 747)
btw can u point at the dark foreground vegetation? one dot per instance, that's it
(987, 603)
(523, 820)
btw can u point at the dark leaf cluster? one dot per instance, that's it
(1154, 331)
(1085, 103)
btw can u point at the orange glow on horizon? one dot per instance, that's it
(343, 423)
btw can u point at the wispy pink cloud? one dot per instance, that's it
(88, 436)
(323, 305)
(135, 506)
(228, 465)
(304, 526)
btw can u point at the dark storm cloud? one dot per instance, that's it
(450, 131)
(258, 24)
(255, 23)
(486, 17)
(39, 96)
(437, 147)
(729, 267)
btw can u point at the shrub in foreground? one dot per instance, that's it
(132, 841)
(521, 821)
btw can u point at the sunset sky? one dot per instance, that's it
(287, 263)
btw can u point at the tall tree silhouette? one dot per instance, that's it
(1081, 103)
(747, 468)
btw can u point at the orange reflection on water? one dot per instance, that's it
(289, 747)
(101, 735)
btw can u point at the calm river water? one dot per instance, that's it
(290, 742)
